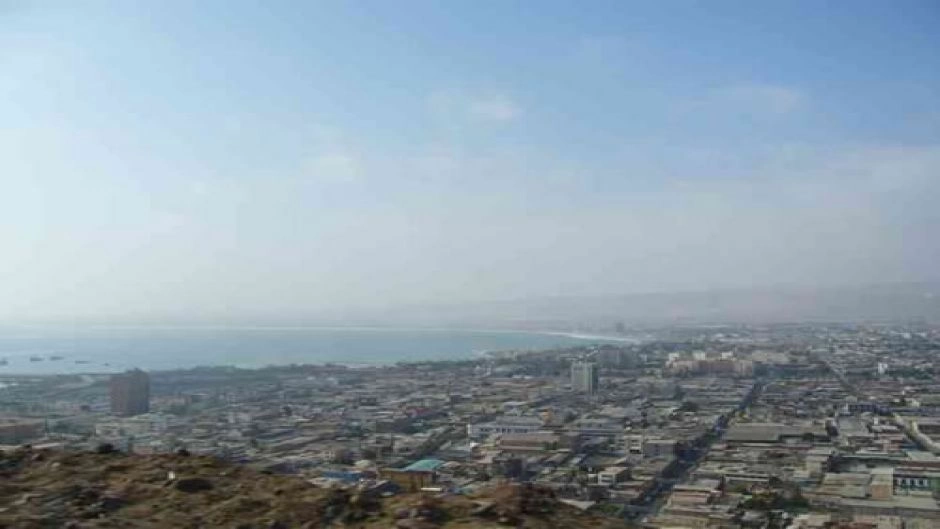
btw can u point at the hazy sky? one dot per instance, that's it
(230, 157)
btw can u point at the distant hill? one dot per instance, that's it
(903, 302)
(897, 302)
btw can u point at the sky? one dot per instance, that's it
(218, 158)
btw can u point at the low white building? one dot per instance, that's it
(505, 425)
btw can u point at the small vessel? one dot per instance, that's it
(55, 357)
(3, 362)
(82, 362)
(35, 358)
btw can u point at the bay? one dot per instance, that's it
(30, 350)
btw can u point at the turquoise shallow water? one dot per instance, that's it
(182, 347)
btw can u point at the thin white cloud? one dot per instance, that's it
(461, 106)
(334, 167)
(434, 166)
(168, 221)
(494, 108)
(232, 125)
(764, 98)
(199, 188)
(799, 214)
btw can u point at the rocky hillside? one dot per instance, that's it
(43, 489)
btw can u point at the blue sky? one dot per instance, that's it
(281, 157)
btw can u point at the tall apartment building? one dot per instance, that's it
(584, 377)
(130, 393)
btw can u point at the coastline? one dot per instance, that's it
(359, 346)
(595, 337)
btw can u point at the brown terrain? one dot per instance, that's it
(45, 489)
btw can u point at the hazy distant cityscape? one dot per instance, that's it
(718, 426)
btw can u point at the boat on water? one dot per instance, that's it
(56, 357)
(35, 358)
(3, 362)
(82, 362)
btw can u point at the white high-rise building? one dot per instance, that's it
(584, 377)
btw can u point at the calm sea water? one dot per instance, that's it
(97, 349)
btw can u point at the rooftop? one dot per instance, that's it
(424, 465)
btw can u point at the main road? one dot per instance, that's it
(652, 500)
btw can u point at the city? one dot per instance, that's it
(469, 264)
(802, 426)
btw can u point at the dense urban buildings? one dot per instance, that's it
(130, 393)
(797, 426)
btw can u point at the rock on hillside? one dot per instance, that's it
(43, 489)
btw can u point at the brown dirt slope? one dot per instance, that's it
(42, 489)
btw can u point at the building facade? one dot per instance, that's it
(584, 377)
(130, 393)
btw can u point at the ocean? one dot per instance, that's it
(60, 350)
